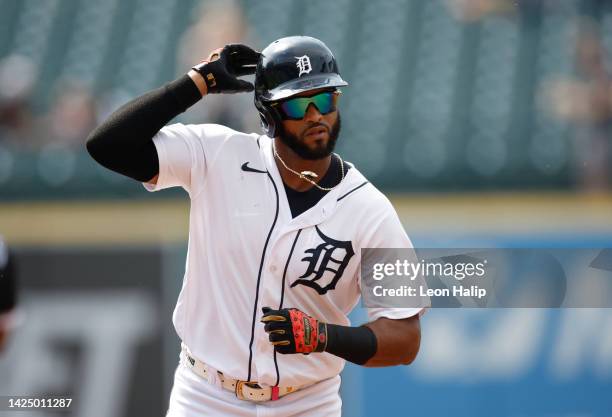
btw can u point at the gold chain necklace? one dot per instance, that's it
(307, 175)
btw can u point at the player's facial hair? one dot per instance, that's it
(296, 143)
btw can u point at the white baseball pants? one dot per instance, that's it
(193, 396)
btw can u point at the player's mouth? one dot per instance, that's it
(316, 133)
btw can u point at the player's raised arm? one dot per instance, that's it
(123, 142)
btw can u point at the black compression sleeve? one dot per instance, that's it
(355, 344)
(123, 142)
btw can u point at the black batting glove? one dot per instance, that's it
(293, 331)
(221, 71)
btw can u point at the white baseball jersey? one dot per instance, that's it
(246, 252)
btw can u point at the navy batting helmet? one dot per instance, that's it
(291, 66)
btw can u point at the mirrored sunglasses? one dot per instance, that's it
(296, 108)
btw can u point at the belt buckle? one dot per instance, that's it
(256, 397)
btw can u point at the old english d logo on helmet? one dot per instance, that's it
(303, 64)
(326, 263)
(291, 66)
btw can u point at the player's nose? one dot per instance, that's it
(312, 114)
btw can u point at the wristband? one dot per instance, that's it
(355, 344)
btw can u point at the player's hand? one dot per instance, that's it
(224, 66)
(293, 331)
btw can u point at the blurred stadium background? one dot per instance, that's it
(487, 122)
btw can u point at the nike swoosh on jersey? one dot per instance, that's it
(246, 167)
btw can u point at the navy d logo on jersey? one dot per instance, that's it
(331, 256)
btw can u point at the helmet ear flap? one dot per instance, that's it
(267, 119)
(265, 125)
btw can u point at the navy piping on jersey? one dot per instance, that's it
(354, 189)
(261, 262)
(283, 295)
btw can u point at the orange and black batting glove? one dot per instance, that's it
(293, 331)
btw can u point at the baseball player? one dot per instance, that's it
(7, 294)
(277, 224)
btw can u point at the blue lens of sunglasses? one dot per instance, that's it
(295, 108)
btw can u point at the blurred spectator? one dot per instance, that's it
(17, 77)
(587, 102)
(71, 117)
(219, 23)
(473, 10)
(7, 295)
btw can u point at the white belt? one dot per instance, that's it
(244, 390)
